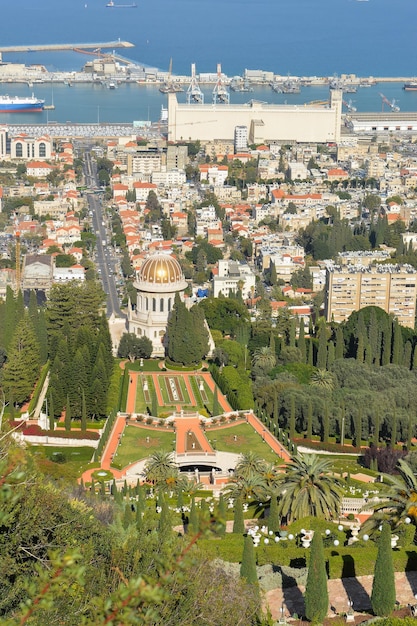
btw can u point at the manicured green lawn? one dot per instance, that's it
(246, 440)
(134, 445)
(149, 365)
(63, 462)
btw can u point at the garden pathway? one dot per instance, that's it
(131, 392)
(211, 384)
(184, 425)
(358, 590)
(268, 437)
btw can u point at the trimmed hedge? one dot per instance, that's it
(170, 365)
(341, 561)
(36, 431)
(326, 447)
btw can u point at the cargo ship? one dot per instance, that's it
(19, 104)
(410, 86)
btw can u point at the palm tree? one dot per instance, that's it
(323, 379)
(161, 469)
(399, 502)
(249, 463)
(264, 357)
(252, 486)
(308, 489)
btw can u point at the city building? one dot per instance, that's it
(230, 276)
(241, 139)
(349, 288)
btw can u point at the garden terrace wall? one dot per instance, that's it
(56, 441)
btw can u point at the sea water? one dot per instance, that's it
(296, 37)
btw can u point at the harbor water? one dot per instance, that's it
(94, 103)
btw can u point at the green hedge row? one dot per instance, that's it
(342, 562)
(170, 365)
(113, 394)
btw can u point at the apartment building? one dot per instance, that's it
(350, 288)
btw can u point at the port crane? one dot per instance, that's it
(349, 106)
(194, 93)
(391, 103)
(220, 93)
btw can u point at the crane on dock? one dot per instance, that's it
(194, 93)
(349, 106)
(391, 103)
(220, 93)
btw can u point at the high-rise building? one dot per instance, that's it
(241, 138)
(350, 288)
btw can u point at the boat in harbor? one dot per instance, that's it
(113, 5)
(18, 104)
(410, 85)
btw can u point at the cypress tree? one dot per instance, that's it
(316, 595)
(273, 518)
(377, 426)
(293, 332)
(193, 524)
(310, 356)
(164, 522)
(292, 418)
(408, 349)
(394, 428)
(322, 350)
(330, 354)
(340, 344)
(326, 424)
(397, 344)
(309, 420)
(127, 518)
(238, 522)
(83, 413)
(67, 415)
(410, 429)
(276, 407)
(358, 428)
(248, 565)
(51, 413)
(360, 348)
(386, 343)
(222, 511)
(301, 344)
(374, 337)
(383, 586)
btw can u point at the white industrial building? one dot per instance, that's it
(300, 123)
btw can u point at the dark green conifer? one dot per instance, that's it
(309, 432)
(316, 595)
(301, 343)
(292, 418)
(67, 422)
(238, 521)
(340, 344)
(322, 349)
(248, 565)
(383, 586)
(193, 522)
(273, 518)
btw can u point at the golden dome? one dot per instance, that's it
(161, 270)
